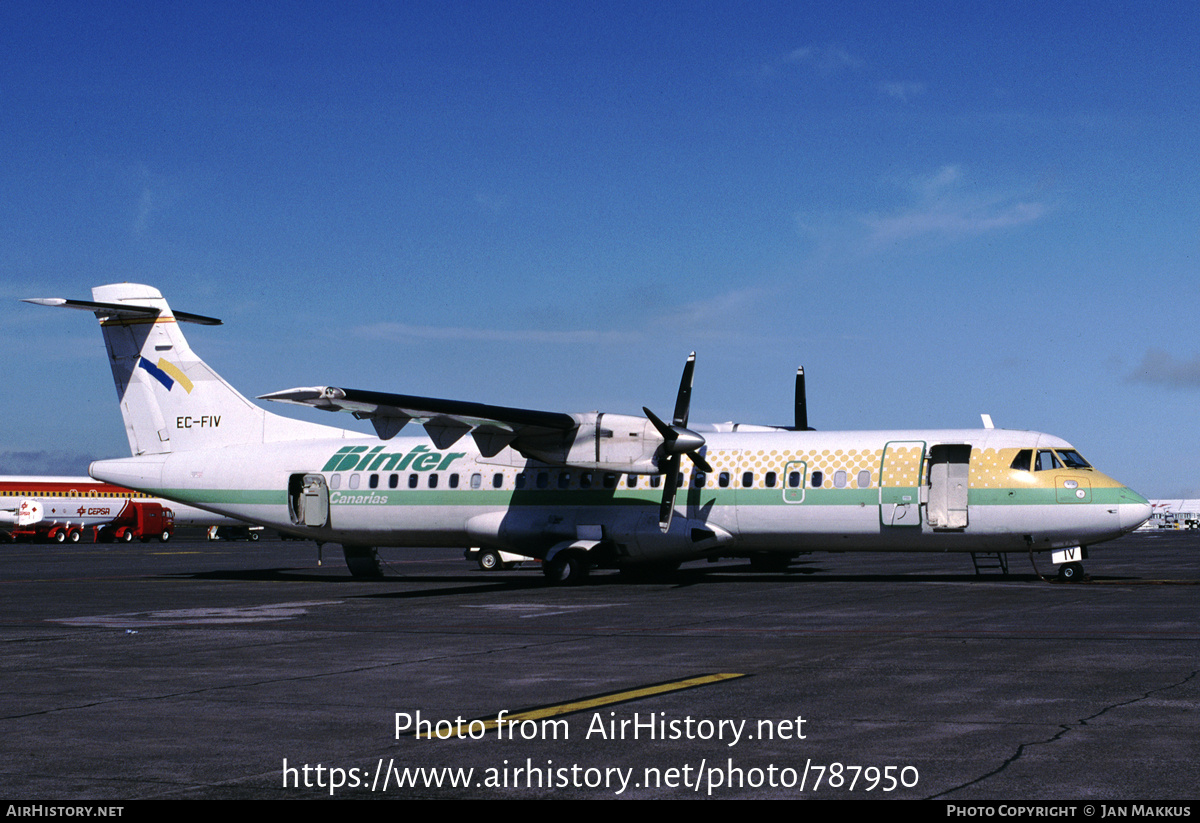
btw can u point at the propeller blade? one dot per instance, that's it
(801, 402)
(683, 400)
(678, 439)
(700, 462)
(667, 509)
(668, 433)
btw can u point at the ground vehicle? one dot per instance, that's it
(235, 533)
(140, 520)
(491, 560)
(102, 521)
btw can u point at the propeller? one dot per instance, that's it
(678, 440)
(801, 403)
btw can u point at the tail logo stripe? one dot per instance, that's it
(167, 373)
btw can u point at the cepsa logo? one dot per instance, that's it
(94, 511)
(358, 458)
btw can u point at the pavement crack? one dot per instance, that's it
(1063, 729)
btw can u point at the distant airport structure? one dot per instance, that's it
(1174, 513)
(71, 509)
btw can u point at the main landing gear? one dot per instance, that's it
(363, 562)
(567, 568)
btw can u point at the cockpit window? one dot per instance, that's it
(1022, 460)
(1073, 459)
(1047, 460)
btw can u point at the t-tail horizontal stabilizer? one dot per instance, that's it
(171, 400)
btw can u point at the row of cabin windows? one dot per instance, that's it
(542, 479)
(432, 481)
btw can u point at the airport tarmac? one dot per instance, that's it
(245, 670)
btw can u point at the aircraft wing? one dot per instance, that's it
(492, 427)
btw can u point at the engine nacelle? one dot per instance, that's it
(602, 442)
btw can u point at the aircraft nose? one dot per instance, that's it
(1134, 510)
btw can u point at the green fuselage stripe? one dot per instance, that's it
(219, 498)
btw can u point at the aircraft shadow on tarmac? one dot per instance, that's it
(472, 581)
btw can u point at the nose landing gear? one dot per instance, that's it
(1070, 572)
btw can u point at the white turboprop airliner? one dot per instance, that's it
(581, 490)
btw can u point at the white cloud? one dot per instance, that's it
(145, 209)
(951, 220)
(826, 59)
(904, 92)
(941, 207)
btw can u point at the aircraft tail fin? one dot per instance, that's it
(170, 399)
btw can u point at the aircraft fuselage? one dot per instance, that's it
(786, 491)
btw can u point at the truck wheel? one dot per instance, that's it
(60, 536)
(164, 537)
(489, 561)
(127, 537)
(73, 537)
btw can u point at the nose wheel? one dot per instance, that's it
(1070, 572)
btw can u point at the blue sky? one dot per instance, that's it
(939, 209)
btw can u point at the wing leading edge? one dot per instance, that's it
(492, 427)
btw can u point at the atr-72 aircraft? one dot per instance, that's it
(580, 490)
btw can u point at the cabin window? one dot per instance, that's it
(1023, 460)
(476, 480)
(393, 481)
(564, 479)
(699, 480)
(631, 481)
(585, 480)
(839, 478)
(747, 480)
(817, 479)
(433, 480)
(793, 480)
(454, 480)
(864, 479)
(723, 480)
(769, 480)
(498, 480)
(610, 480)
(521, 480)
(335, 481)
(355, 480)
(412, 481)
(655, 481)
(543, 479)
(373, 481)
